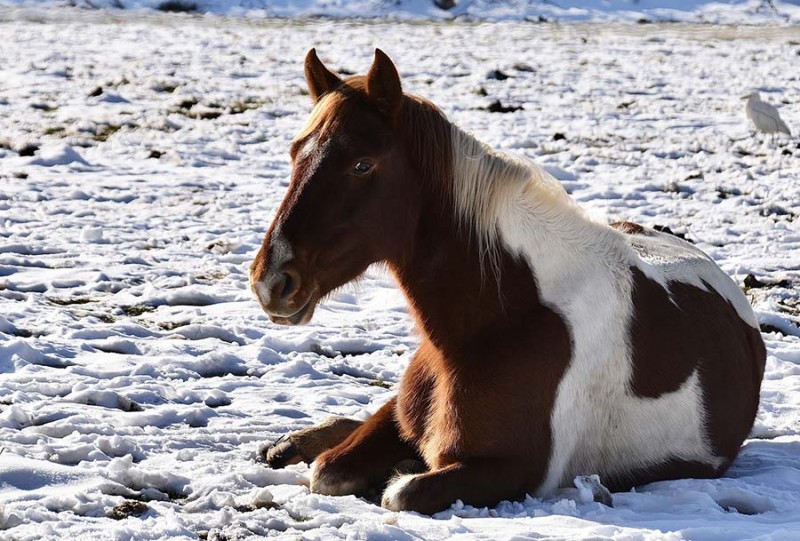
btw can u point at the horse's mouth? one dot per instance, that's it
(300, 317)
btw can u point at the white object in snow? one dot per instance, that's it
(764, 116)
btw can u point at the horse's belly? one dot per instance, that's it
(623, 433)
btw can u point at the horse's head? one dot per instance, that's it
(350, 202)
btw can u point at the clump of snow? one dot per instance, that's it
(123, 471)
(28, 474)
(92, 234)
(6, 327)
(106, 399)
(591, 489)
(58, 155)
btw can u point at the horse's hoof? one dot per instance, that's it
(306, 445)
(280, 454)
(396, 495)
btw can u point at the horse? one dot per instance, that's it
(551, 345)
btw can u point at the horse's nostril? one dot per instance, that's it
(288, 284)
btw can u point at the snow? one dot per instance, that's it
(58, 155)
(631, 11)
(135, 363)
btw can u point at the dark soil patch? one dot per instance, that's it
(70, 301)
(128, 508)
(665, 229)
(136, 310)
(497, 107)
(176, 6)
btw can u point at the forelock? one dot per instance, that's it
(322, 117)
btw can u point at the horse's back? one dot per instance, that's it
(668, 260)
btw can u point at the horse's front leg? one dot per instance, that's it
(478, 482)
(365, 460)
(306, 445)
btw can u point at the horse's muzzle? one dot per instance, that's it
(283, 297)
(300, 317)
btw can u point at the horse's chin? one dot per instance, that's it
(301, 317)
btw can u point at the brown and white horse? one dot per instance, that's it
(551, 345)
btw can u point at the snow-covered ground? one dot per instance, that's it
(770, 12)
(142, 157)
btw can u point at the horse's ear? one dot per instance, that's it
(383, 84)
(319, 78)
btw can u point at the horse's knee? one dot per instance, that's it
(361, 471)
(333, 476)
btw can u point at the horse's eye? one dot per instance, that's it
(363, 167)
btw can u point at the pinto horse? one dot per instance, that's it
(551, 345)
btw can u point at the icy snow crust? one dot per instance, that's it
(134, 362)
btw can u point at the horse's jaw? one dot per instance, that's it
(299, 317)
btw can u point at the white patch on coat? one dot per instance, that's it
(317, 143)
(279, 253)
(582, 269)
(308, 148)
(392, 498)
(262, 291)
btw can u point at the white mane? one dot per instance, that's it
(490, 186)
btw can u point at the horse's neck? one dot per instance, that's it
(470, 271)
(455, 298)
